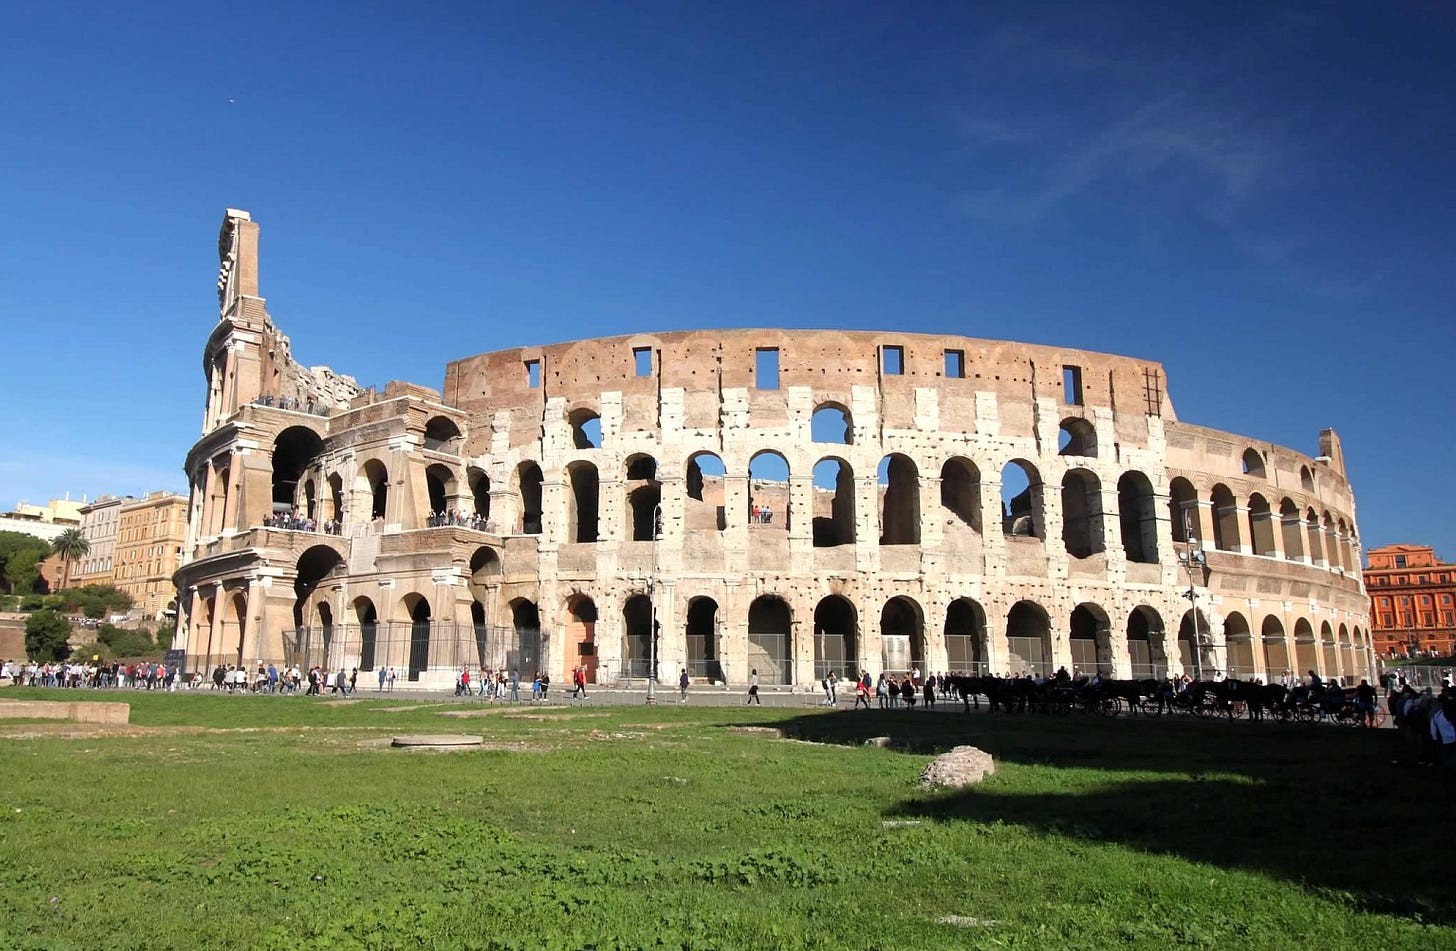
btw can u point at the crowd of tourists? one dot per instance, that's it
(95, 676)
(310, 405)
(297, 522)
(460, 519)
(504, 685)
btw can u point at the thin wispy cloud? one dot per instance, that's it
(1164, 135)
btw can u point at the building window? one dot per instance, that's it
(1072, 385)
(533, 374)
(893, 360)
(1400, 561)
(955, 364)
(766, 368)
(642, 361)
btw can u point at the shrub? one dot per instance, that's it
(45, 636)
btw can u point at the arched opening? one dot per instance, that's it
(1306, 479)
(586, 428)
(313, 566)
(310, 500)
(1193, 634)
(581, 637)
(1028, 639)
(704, 509)
(1306, 652)
(1329, 658)
(581, 505)
(368, 620)
(442, 435)
(222, 480)
(770, 625)
(831, 424)
(479, 491)
(899, 482)
(528, 485)
(324, 620)
(529, 656)
(1077, 437)
(960, 491)
(1145, 644)
(965, 637)
(1091, 642)
(373, 483)
(1347, 653)
(1291, 530)
(336, 499)
(1182, 509)
(1225, 519)
(1261, 525)
(644, 495)
(641, 468)
(836, 638)
(239, 605)
(702, 640)
(902, 636)
(768, 491)
(418, 610)
(1137, 515)
(1343, 546)
(482, 633)
(1021, 500)
(1276, 650)
(1240, 644)
(1315, 537)
(637, 627)
(294, 449)
(1332, 542)
(1253, 464)
(441, 483)
(833, 503)
(1082, 513)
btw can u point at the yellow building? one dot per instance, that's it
(100, 522)
(149, 538)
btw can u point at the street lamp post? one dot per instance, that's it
(1192, 559)
(652, 603)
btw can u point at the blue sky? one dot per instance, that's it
(1260, 197)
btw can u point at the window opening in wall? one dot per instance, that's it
(955, 364)
(1400, 561)
(1072, 385)
(766, 368)
(894, 361)
(533, 373)
(642, 361)
(831, 424)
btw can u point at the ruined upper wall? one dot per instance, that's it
(705, 363)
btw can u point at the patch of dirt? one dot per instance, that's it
(646, 726)
(338, 703)
(470, 713)
(555, 716)
(406, 709)
(772, 732)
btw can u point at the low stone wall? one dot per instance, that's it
(80, 711)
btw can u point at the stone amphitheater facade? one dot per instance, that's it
(770, 501)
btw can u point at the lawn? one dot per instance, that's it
(284, 823)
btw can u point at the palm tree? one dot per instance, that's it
(70, 545)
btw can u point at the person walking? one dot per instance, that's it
(515, 685)
(753, 688)
(578, 683)
(353, 680)
(381, 680)
(862, 690)
(682, 686)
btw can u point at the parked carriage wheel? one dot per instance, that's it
(1150, 707)
(1110, 706)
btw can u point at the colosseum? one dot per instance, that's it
(778, 501)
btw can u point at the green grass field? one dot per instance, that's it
(283, 823)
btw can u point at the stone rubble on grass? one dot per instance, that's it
(962, 766)
(963, 921)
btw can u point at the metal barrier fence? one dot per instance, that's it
(412, 648)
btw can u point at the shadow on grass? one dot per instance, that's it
(1333, 809)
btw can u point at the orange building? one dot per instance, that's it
(1412, 601)
(149, 538)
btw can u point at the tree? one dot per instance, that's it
(70, 545)
(45, 636)
(21, 554)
